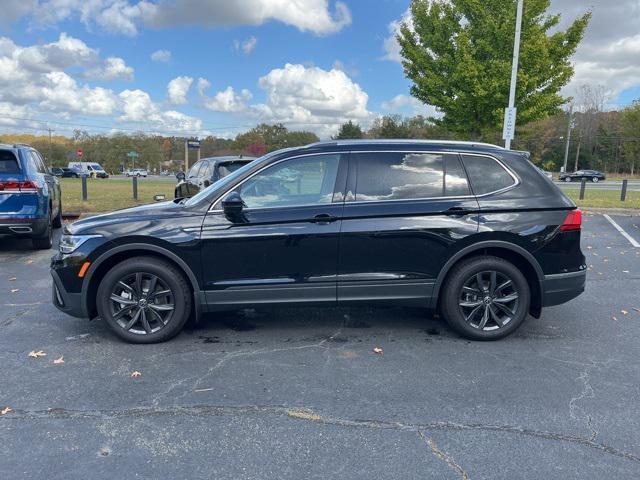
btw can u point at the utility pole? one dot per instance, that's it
(510, 113)
(569, 128)
(50, 154)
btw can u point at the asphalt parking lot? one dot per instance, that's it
(300, 394)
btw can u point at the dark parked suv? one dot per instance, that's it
(472, 230)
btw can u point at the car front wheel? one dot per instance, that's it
(595, 179)
(567, 179)
(485, 298)
(144, 300)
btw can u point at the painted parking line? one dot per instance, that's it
(622, 232)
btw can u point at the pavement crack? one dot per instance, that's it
(309, 415)
(586, 393)
(444, 456)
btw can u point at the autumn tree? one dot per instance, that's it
(458, 55)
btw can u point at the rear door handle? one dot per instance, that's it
(323, 218)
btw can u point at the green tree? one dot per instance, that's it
(349, 130)
(389, 126)
(458, 54)
(630, 123)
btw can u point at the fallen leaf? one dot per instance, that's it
(636, 309)
(624, 312)
(304, 414)
(378, 350)
(58, 361)
(12, 279)
(38, 354)
(5, 410)
(589, 247)
(625, 271)
(14, 290)
(136, 374)
(614, 318)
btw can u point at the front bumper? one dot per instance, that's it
(562, 287)
(67, 302)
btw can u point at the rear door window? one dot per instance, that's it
(399, 176)
(486, 174)
(8, 162)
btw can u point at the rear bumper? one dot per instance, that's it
(19, 227)
(69, 303)
(563, 287)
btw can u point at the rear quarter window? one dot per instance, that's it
(486, 174)
(8, 162)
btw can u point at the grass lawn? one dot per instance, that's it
(604, 198)
(106, 195)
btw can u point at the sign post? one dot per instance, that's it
(133, 155)
(514, 77)
(509, 129)
(193, 144)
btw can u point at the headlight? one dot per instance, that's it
(69, 243)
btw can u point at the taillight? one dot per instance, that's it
(29, 186)
(572, 222)
(19, 186)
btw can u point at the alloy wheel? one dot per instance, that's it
(489, 300)
(141, 303)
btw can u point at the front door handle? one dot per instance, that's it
(455, 211)
(323, 218)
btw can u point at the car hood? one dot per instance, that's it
(143, 213)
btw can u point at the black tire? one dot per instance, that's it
(44, 241)
(595, 179)
(567, 179)
(144, 329)
(57, 221)
(458, 300)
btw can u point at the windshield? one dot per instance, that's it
(227, 180)
(95, 166)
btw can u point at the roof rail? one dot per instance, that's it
(16, 145)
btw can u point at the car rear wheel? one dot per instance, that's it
(144, 300)
(57, 221)
(45, 240)
(485, 298)
(567, 179)
(595, 179)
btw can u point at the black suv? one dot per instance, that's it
(472, 230)
(206, 172)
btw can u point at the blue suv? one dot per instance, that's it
(30, 199)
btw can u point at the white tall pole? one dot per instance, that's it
(514, 66)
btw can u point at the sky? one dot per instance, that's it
(219, 67)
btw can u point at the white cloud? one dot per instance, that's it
(113, 68)
(14, 9)
(407, 104)
(125, 16)
(228, 101)
(247, 46)
(306, 15)
(311, 98)
(138, 107)
(163, 56)
(61, 93)
(203, 84)
(177, 90)
(34, 83)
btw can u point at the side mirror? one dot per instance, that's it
(232, 205)
(180, 176)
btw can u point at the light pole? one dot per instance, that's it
(510, 112)
(569, 128)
